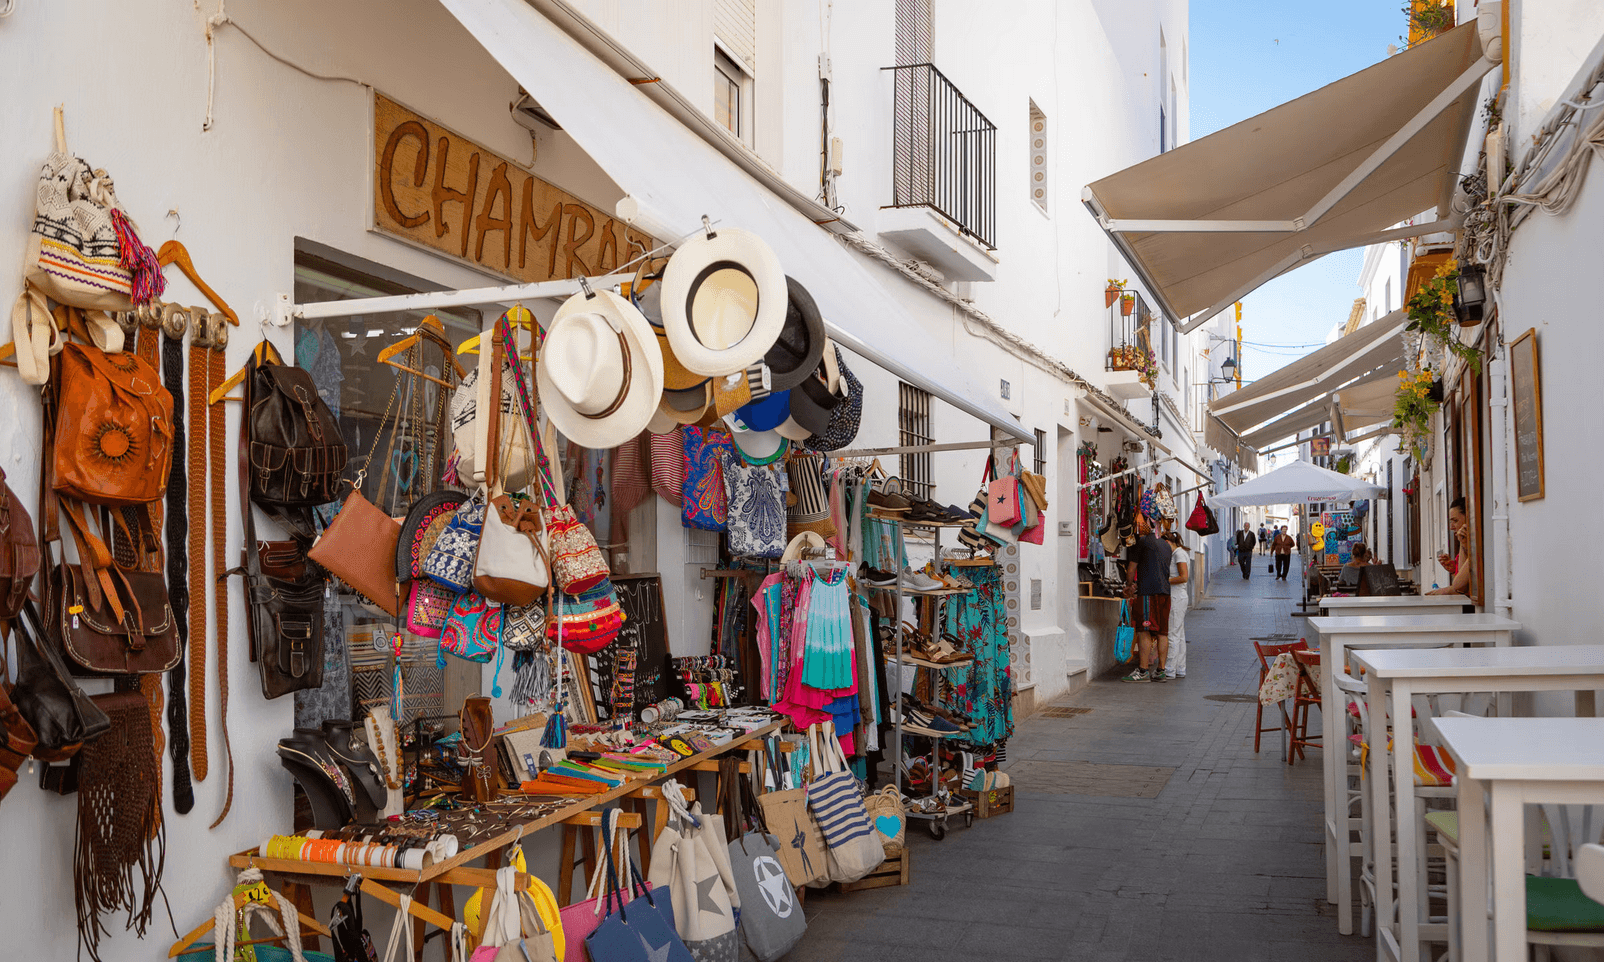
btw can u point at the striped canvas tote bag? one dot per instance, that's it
(852, 848)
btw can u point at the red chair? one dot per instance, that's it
(1267, 654)
(1307, 695)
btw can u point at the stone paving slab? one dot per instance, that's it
(1221, 859)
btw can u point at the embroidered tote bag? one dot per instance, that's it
(705, 504)
(450, 562)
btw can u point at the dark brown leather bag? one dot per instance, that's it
(143, 640)
(113, 439)
(60, 714)
(19, 551)
(297, 455)
(359, 548)
(286, 625)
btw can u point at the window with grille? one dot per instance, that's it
(1040, 456)
(1038, 157)
(913, 429)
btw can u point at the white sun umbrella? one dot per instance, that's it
(1298, 483)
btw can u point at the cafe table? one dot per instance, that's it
(1401, 674)
(1337, 636)
(1349, 605)
(1503, 765)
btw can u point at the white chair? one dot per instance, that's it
(1590, 871)
(1555, 897)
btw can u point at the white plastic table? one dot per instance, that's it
(1403, 674)
(1512, 762)
(1337, 636)
(1342, 606)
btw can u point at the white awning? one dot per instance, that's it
(673, 178)
(1376, 346)
(1366, 404)
(1360, 405)
(1210, 221)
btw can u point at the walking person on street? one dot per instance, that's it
(1148, 579)
(1282, 547)
(1264, 540)
(1180, 574)
(1244, 549)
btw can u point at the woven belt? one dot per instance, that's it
(150, 686)
(196, 560)
(177, 572)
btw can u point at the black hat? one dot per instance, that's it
(796, 352)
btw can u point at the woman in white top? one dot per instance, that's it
(1180, 573)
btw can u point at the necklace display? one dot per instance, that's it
(392, 780)
(329, 768)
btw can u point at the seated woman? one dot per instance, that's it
(1350, 571)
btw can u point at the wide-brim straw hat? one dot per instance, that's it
(724, 300)
(600, 372)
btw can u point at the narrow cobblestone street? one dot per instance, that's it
(1224, 863)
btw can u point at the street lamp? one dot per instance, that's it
(1228, 369)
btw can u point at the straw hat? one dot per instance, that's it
(724, 300)
(600, 372)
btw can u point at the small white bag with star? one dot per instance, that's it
(691, 860)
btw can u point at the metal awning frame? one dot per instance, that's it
(1117, 227)
(1143, 467)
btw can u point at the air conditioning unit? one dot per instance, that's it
(527, 113)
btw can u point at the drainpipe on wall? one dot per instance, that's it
(1498, 400)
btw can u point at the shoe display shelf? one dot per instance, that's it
(945, 805)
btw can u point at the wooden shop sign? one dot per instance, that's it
(435, 188)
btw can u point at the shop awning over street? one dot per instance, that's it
(673, 178)
(1297, 483)
(1329, 408)
(1374, 347)
(1210, 221)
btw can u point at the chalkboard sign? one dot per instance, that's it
(1378, 579)
(1526, 391)
(645, 633)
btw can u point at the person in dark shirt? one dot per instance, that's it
(1148, 580)
(1245, 543)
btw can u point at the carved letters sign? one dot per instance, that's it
(433, 187)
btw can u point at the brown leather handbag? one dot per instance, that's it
(19, 551)
(285, 595)
(358, 547)
(113, 438)
(143, 640)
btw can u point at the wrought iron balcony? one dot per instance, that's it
(944, 153)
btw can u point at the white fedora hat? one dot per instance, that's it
(600, 373)
(724, 299)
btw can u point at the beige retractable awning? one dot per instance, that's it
(1207, 222)
(1361, 404)
(1364, 405)
(1376, 346)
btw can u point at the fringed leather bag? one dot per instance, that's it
(120, 829)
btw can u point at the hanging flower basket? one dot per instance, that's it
(1112, 291)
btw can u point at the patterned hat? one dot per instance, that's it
(845, 417)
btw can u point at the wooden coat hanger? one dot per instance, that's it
(174, 252)
(431, 329)
(265, 353)
(519, 316)
(240, 898)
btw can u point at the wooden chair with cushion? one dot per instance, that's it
(1306, 697)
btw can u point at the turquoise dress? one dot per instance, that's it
(982, 691)
(827, 657)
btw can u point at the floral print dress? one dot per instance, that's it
(982, 691)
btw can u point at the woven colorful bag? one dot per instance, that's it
(576, 560)
(473, 629)
(450, 562)
(589, 620)
(428, 606)
(705, 504)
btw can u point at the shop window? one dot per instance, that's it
(1039, 458)
(1038, 157)
(913, 429)
(340, 353)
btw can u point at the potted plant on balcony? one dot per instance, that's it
(1126, 303)
(1112, 291)
(1431, 312)
(1119, 358)
(1412, 408)
(1428, 18)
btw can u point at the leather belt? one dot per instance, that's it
(150, 686)
(216, 373)
(196, 561)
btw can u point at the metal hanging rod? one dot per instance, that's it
(1140, 467)
(438, 300)
(927, 448)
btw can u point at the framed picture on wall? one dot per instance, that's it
(1526, 398)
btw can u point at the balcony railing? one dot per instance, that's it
(1128, 332)
(944, 153)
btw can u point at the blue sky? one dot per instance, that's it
(1246, 57)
